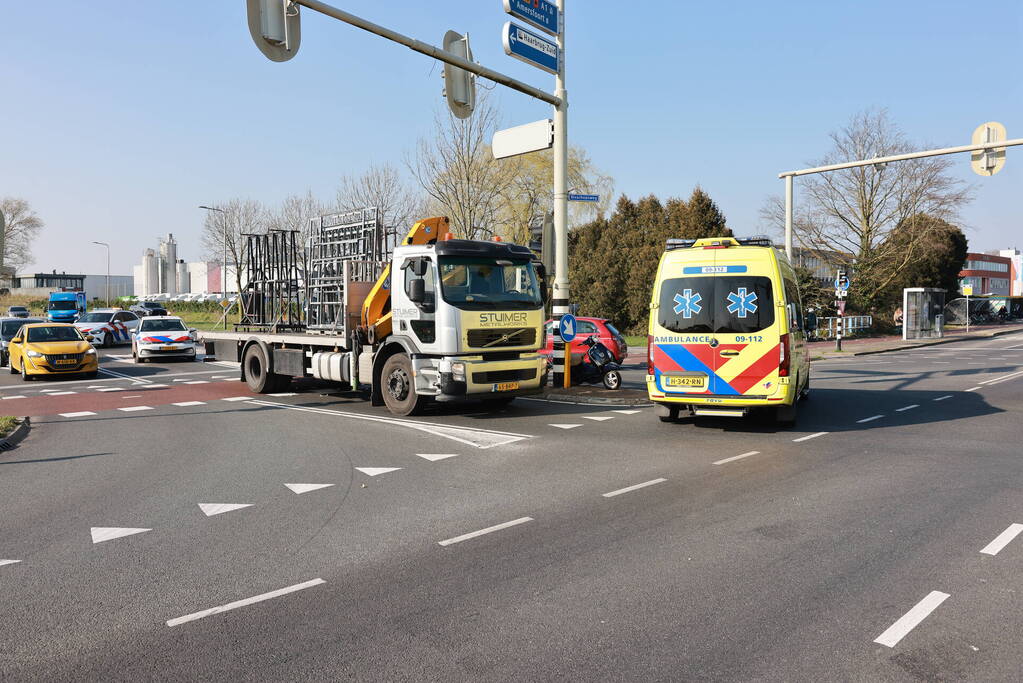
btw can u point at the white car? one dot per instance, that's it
(163, 336)
(108, 326)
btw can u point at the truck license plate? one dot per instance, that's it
(691, 381)
(506, 386)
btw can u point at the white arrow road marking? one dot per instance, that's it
(109, 533)
(625, 412)
(306, 488)
(242, 603)
(433, 457)
(210, 509)
(472, 436)
(3, 562)
(564, 426)
(374, 471)
(598, 418)
(1003, 539)
(908, 621)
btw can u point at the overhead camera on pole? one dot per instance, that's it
(459, 84)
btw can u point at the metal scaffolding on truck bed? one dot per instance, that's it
(271, 299)
(343, 249)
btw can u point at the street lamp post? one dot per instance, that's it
(223, 274)
(108, 268)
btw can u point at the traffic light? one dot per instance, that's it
(541, 241)
(459, 84)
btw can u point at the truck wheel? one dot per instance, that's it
(257, 374)
(399, 386)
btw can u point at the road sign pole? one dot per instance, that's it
(788, 217)
(838, 330)
(560, 299)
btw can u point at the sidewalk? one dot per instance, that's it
(872, 345)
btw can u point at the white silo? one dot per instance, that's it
(168, 263)
(150, 273)
(183, 285)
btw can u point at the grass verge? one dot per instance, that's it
(7, 425)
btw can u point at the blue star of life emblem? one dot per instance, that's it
(688, 304)
(741, 302)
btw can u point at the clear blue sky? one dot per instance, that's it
(119, 118)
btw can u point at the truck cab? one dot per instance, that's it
(65, 307)
(468, 316)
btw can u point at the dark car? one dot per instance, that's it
(17, 312)
(147, 308)
(8, 328)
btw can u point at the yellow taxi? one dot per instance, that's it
(52, 349)
(726, 331)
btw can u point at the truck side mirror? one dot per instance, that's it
(417, 291)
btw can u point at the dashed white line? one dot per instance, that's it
(242, 603)
(62, 393)
(973, 388)
(237, 398)
(132, 409)
(1003, 378)
(8, 398)
(627, 489)
(284, 393)
(185, 404)
(3, 562)
(942, 398)
(488, 530)
(869, 419)
(82, 413)
(911, 619)
(112, 389)
(1003, 539)
(198, 381)
(807, 438)
(736, 457)
(909, 407)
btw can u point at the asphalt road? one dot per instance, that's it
(167, 524)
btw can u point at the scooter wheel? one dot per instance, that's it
(613, 379)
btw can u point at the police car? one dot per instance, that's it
(162, 336)
(108, 326)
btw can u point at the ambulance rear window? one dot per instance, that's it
(725, 304)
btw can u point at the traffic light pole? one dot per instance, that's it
(789, 175)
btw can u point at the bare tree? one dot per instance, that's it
(383, 187)
(856, 212)
(22, 228)
(458, 172)
(227, 227)
(295, 213)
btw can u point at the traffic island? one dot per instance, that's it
(12, 431)
(597, 395)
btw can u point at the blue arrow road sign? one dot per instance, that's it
(539, 13)
(567, 327)
(584, 197)
(530, 47)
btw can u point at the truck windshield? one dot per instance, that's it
(63, 306)
(479, 283)
(723, 304)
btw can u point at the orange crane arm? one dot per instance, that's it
(376, 309)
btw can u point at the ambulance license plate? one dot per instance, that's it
(689, 381)
(506, 386)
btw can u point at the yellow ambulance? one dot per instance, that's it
(726, 331)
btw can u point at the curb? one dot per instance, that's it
(562, 397)
(906, 347)
(14, 438)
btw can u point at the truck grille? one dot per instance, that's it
(60, 360)
(504, 376)
(519, 336)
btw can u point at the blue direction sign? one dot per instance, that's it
(567, 327)
(539, 13)
(530, 47)
(583, 197)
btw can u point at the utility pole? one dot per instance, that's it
(108, 268)
(560, 299)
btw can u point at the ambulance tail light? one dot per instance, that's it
(649, 354)
(785, 354)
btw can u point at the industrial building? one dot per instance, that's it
(162, 272)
